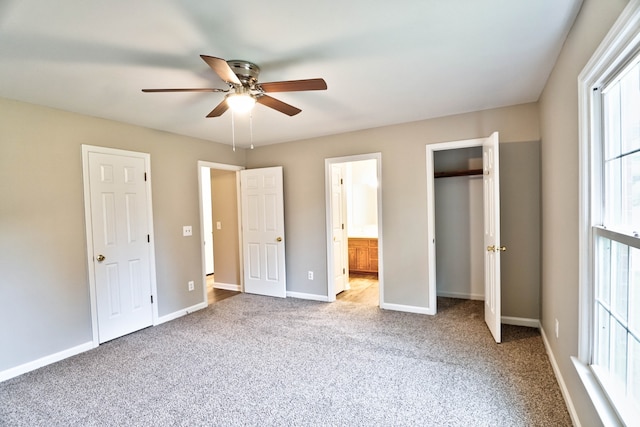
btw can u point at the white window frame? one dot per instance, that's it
(619, 46)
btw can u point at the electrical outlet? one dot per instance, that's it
(191, 285)
(557, 328)
(187, 231)
(310, 275)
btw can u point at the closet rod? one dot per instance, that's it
(458, 173)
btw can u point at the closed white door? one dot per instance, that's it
(121, 248)
(339, 229)
(263, 231)
(493, 248)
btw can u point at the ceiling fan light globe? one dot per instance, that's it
(241, 103)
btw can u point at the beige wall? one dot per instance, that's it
(404, 205)
(226, 246)
(559, 128)
(44, 294)
(43, 250)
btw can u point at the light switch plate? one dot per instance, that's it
(187, 230)
(219, 225)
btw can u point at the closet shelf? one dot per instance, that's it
(458, 173)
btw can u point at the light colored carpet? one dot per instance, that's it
(260, 361)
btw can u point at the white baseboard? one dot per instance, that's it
(520, 321)
(181, 313)
(563, 386)
(313, 297)
(227, 286)
(44, 361)
(407, 308)
(461, 295)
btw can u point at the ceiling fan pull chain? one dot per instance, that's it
(233, 131)
(251, 128)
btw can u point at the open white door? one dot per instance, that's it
(339, 229)
(120, 249)
(263, 231)
(491, 194)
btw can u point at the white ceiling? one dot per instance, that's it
(385, 62)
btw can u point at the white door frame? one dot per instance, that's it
(221, 166)
(86, 149)
(431, 210)
(331, 295)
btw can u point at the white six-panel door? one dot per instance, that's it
(120, 231)
(493, 248)
(339, 232)
(263, 231)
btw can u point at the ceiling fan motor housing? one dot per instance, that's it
(246, 71)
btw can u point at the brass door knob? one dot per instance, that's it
(100, 258)
(279, 239)
(493, 248)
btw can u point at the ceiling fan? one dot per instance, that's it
(244, 90)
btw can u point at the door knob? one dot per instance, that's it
(100, 258)
(493, 248)
(279, 239)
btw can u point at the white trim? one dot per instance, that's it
(183, 312)
(227, 286)
(220, 166)
(86, 149)
(621, 42)
(312, 297)
(46, 360)
(406, 308)
(327, 178)
(520, 321)
(461, 295)
(563, 386)
(431, 210)
(608, 416)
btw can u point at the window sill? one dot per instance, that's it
(605, 409)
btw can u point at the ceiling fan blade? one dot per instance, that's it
(278, 105)
(220, 109)
(221, 68)
(185, 90)
(293, 85)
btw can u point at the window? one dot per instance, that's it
(609, 356)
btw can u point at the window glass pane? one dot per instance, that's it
(633, 386)
(630, 110)
(613, 193)
(603, 323)
(603, 266)
(630, 192)
(619, 279)
(634, 291)
(611, 105)
(618, 356)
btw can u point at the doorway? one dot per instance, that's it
(354, 228)
(490, 223)
(219, 222)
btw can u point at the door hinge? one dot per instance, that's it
(344, 271)
(151, 299)
(148, 238)
(341, 182)
(145, 177)
(343, 226)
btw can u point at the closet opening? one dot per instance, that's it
(459, 218)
